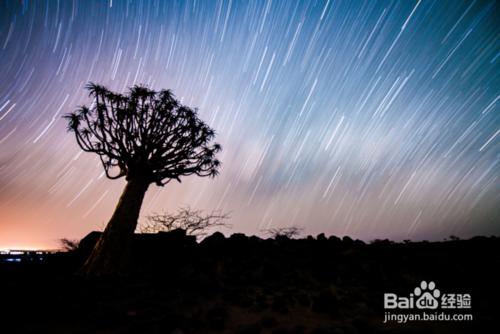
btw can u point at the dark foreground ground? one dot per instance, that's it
(249, 285)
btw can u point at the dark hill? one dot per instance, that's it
(246, 284)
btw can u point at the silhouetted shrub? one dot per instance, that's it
(289, 232)
(69, 245)
(194, 222)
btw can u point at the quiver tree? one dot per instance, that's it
(147, 137)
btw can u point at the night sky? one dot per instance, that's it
(373, 119)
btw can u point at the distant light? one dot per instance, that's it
(17, 252)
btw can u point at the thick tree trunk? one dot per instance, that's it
(111, 253)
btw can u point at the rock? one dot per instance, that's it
(321, 237)
(217, 317)
(325, 302)
(215, 239)
(268, 321)
(347, 240)
(249, 329)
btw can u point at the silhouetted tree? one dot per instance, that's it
(147, 137)
(194, 222)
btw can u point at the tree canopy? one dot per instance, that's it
(144, 133)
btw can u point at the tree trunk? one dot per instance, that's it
(111, 253)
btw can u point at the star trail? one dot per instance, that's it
(374, 119)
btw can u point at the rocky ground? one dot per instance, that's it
(250, 285)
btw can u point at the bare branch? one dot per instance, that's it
(194, 222)
(69, 245)
(289, 232)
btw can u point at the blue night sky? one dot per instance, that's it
(374, 119)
